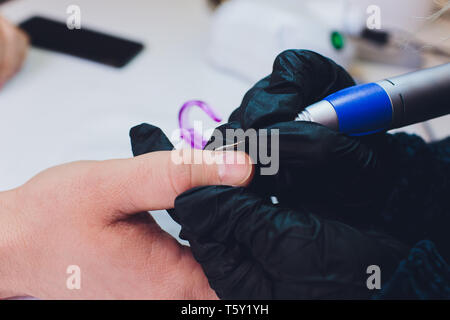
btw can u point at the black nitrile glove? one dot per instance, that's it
(323, 170)
(310, 257)
(146, 138)
(327, 171)
(338, 196)
(396, 184)
(424, 274)
(251, 249)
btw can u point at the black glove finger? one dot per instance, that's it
(299, 78)
(305, 256)
(313, 155)
(222, 136)
(311, 145)
(300, 143)
(231, 273)
(146, 138)
(231, 269)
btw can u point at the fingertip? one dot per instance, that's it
(235, 168)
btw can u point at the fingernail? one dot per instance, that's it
(234, 168)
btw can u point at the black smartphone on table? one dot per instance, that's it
(83, 43)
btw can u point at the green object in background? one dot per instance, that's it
(337, 40)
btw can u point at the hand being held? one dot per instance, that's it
(89, 214)
(13, 49)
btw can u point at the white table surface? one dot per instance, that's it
(60, 109)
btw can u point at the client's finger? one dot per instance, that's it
(152, 181)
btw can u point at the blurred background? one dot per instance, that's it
(60, 108)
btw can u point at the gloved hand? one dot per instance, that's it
(326, 171)
(394, 183)
(250, 248)
(321, 238)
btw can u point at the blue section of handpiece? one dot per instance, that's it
(362, 109)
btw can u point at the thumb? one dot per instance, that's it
(153, 181)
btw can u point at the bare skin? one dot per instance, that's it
(89, 214)
(13, 49)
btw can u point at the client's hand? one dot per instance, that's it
(13, 49)
(90, 214)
